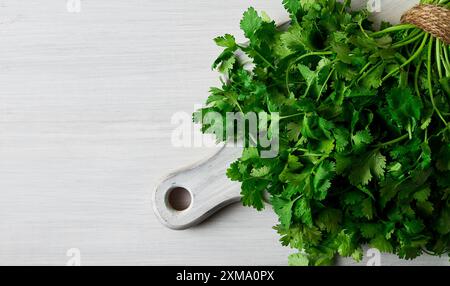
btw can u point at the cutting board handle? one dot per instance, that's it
(207, 185)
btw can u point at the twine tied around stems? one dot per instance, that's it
(431, 18)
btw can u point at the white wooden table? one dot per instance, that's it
(85, 106)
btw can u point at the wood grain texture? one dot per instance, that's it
(85, 106)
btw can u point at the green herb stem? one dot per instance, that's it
(292, 115)
(416, 78)
(413, 57)
(264, 59)
(408, 41)
(394, 29)
(430, 84)
(397, 140)
(438, 57)
(299, 59)
(324, 84)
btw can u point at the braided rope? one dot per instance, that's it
(430, 18)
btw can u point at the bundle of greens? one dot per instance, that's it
(364, 152)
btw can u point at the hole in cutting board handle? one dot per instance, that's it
(190, 195)
(179, 198)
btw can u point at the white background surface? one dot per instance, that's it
(85, 106)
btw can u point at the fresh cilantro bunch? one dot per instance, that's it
(364, 135)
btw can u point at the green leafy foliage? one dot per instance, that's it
(404, 107)
(298, 259)
(364, 153)
(251, 22)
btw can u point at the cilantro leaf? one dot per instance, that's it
(226, 41)
(373, 79)
(253, 194)
(283, 208)
(381, 243)
(361, 138)
(251, 22)
(372, 164)
(321, 181)
(298, 259)
(329, 220)
(404, 106)
(293, 6)
(303, 212)
(260, 172)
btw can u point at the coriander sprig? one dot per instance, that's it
(364, 155)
